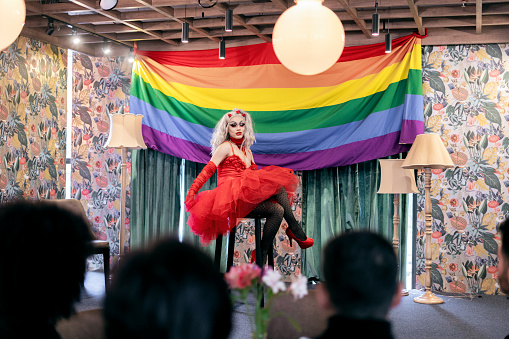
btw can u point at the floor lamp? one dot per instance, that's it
(396, 180)
(428, 152)
(125, 132)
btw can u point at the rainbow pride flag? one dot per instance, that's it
(367, 106)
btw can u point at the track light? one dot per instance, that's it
(76, 38)
(106, 47)
(228, 27)
(108, 5)
(130, 57)
(185, 32)
(51, 27)
(222, 48)
(375, 22)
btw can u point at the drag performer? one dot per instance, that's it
(242, 190)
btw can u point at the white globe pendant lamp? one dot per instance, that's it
(108, 5)
(12, 19)
(308, 38)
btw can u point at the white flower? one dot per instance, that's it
(299, 287)
(272, 279)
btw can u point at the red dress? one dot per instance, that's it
(239, 190)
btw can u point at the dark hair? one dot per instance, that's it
(42, 270)
(503, 228)
(170, 291)
(360, 271)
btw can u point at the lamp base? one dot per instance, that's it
(404, 292)
(428, 298)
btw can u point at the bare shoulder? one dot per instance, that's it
(222, 151)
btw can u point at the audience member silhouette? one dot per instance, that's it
(169, 291)
(42, 270)
(361, 285)
(503, 257)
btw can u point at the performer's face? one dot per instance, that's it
(236, 127)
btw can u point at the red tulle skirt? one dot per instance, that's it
(216, 211)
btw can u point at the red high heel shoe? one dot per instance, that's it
(302, 243)
(253, 257)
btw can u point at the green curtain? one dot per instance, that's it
(155, 194)
(191, 171)
(342, 199)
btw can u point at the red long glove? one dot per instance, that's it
(200, 180)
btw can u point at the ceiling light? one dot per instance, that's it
(51, 27)
(108, 5)
(76, 38)
(308, 38)
(388, 43)
(130, 58)
(228, 27)
(185, 33)
(375, 21)
(12, 17)
(106, 47)
(222, 49)
(388, 40)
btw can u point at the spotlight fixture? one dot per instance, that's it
(51, 27)
(108, 5)
(375, 22)
(106, 47)
(185, 32)
(222, 48)
(76, 38)
(228, 27)
(130, 57)
(388, 40)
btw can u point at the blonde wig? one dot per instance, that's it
(221, 135)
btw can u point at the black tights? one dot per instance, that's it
(274, 212)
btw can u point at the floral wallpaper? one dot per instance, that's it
(466, 98)
(287, 259)
(101, 86)
(33, 91)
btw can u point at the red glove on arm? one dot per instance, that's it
(200, 180)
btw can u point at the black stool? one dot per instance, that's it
(231, 248)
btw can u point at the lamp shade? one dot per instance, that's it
(12, 19)
(125, 131)
(308, 38)
(428, 151)
(395, 179)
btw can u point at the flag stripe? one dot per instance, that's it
(258, 54)
(255, 76)
(375, 124)
(277, 99)
(365, 150)
(267, 121)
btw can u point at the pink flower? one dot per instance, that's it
(242, 276)
(470, 250)
(299, 287)
(272, 279)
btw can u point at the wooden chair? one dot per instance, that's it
(99, 246)
(231, 247)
